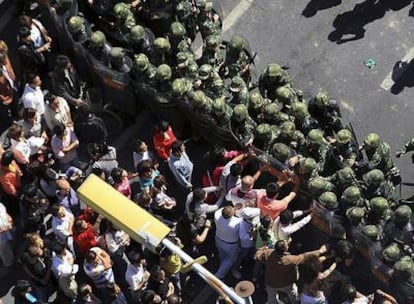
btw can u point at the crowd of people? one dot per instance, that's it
(291, 163)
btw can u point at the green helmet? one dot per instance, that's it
(117, 53)
(391, 253)
(352, 196)
(300, 110)
(281, 152)
(378, 205)
(182, 59)
(200, 99)
(219, 106)
(205, 71)
(284, 95)
(273, 70)
(315, 136)
(372, 140)
(137, 33)
(403, 214)
(163, 72)
(346, 176)
(141, 62)
(98, 39)
(179, 87)
(212, 41)
(287, 129)
(318, 185)
(355, 215)
(237, 43)
(121, 10)
(329, 200)
(237, 84)
(162, 45)
(218, 83)
(307, 165)
(256, 100)
(270, 110)
(263, 132)
(343, 136)
(404, 268)
(374, 177)
(76, 24)
(321, 99)
(240, 113)
(178, 29)
(371, 232)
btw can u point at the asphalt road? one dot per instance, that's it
(303, 35)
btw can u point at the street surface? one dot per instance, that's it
(304, 35)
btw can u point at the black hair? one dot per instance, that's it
(61, 61)
(310, 269)
(265, 222)
(350, 292)
(156, 271)
(59, 129)
(286, 217)
(28, 113)
(30, 190)
(280, 247)
(49, 97)
(83, 289)
(78, 225)
(144, 167)
(31, 77)
(58, 247)
(97, 150)
(159, 181)
(147, 296)
(7, 158)
(55, 210)
(116, 175)
(163, 125)
(136, 144)
(176, 146)
(90, 256)
(272, 189)
(24, 32)
(236, 169)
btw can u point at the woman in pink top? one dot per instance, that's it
(121, 181)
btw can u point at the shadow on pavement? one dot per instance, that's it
(317, 5)
(349, 26)
(403, 76)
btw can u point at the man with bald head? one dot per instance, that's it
(244, 195)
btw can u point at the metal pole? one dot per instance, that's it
(210, 279)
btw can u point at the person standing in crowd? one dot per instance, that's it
(38, 32)
(8, 89)
(32, 125)
(64, 144)
(57, 111)
(98, 267)
(147, 172)
(162, 139)
(137, 275)
(10, 180)
(33, 96)
(121, 181)
(227, 239)
(86, 235)
(64, 270)
(160, 283)
(23, 293)
(33, 208)
(231, 174)
(103, 156)
(279, 261)
(140, 152)
(283, 226)
(67, 197)
(6, 226)
(86, 295)
(180, 165)
(244, 195)
(62, 225)
(89, 127)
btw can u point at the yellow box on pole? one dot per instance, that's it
(139, 224)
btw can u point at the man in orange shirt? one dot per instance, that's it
(85, 235)
(269, 204)
(10, 174)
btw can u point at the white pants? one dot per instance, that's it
(273, 296)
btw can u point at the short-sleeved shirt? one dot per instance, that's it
(271, 206)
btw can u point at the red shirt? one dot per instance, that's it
(86, 239)
(162, 144)
(270, 206)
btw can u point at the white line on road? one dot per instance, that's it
(388, 81)
(231, 18)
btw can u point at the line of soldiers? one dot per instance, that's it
(217, 94)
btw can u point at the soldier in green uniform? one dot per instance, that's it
(256, 107)
(316, 147)
(329, 200)
(185, 66)
(402, 280)
(282, 153)
(213, 52)
(317, 185)
(352, 197)
(119, 61)
(378, 206)
(304, 122)
(379, 157)
(306, 168)
(372, 234)
(263, 137)
(143, 71)
(220, 89)
(375, 184)
(141, 40)
(203, 106)
(186, 15)
(271, 79)
(207, 20)
(163, 53)
(290, 136)
(343, 179)
(286, 96)
(408, 147)
(239, 92)
(79, 29)
(356, 216)
(236, 62)
(178, 34)
(398, 230)
(125, 17)
(242, 125)
(272, 114)
(207, 76)
(391, 254)
(163, 77)
(99, 48)
(222, 112)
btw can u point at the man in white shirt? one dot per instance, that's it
(137, 275)
(283, 227)
(62, 223)
(65, 269)
(227, 239)
(33, 96)
(140, 152)
(244, 195)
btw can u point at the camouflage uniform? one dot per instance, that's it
(256, 107)
(99, 48)
(119, 61)
(282, 153)
(329, 200)
(125, 17)
(236, 62)
(344, 151)
(375, 184)
(343, 179)
(163, 77)
(263, 137)
(141, 40)
(79, 29)
(378, 206)
(398, 229)
(162, 52)
(356, 215)
(222, 112)
(272, 78)
(352, 197)
(213, 51)
(290, 136)
(242, 125)
(208, 76)
(143, 70)
(317, 185)
(391, 254)
(316, 147)
(177, 34)
(239, 92)
(186, 16)
(402, 280)
(207, 20)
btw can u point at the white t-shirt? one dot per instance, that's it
(63, 266)
(227, 230)
(307, 299)
(135, 276)
(33, 98)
